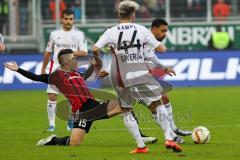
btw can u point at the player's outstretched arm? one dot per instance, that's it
(14, 67)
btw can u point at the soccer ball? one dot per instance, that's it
(200, 135)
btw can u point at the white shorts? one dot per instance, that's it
(52, 89)
(145, 93)
(51, 68)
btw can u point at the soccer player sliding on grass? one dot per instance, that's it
(85, 108)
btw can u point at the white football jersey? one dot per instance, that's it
(60, 39)
(128, 41)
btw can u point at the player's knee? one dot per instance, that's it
(152, 107)
(121, 110)
(117, 107)
(126, 113)
(114, 107)
(52, 96)
(118, 110)
(125, 110)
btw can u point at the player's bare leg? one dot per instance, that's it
(77, 136)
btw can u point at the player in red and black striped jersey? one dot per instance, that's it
(73, 86)
(84, 107)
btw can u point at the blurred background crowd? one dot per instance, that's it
(24, 20)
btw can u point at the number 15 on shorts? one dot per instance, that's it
(82, 123)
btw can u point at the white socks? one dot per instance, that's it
(170, 116)
(161, 118)
(51, 109)
(133, 129)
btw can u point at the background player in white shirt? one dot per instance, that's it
(66, 37)
(130, 72)
(2, 45)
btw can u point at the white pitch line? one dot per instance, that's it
(119, 129)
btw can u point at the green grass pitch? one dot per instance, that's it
(23, 120)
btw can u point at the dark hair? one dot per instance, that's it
(67, 12)
(158, 22)
(63, 52)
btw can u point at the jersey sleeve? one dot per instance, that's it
(104, 39)
(150, 39)
(149, 52)
(41, 78)
(50, 43)
(150, 56)
(82, 43)
(156, 61)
